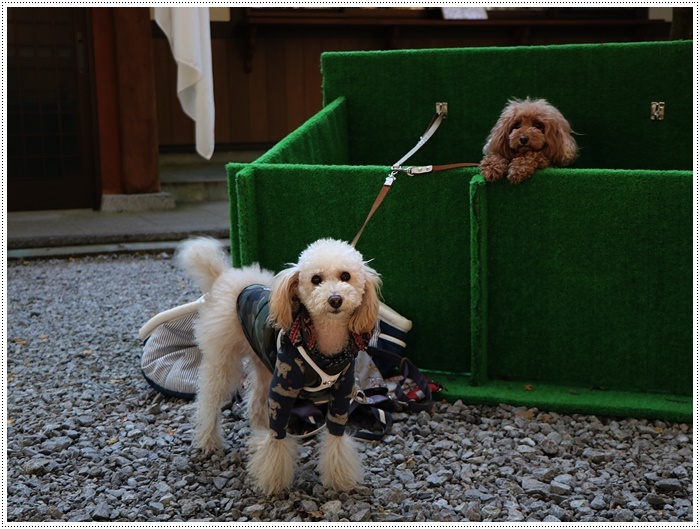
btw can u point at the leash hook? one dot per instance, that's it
(391, 178)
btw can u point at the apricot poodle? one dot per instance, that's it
(530, 134)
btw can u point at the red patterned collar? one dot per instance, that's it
(302, 332)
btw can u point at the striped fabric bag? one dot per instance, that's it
(171, 358)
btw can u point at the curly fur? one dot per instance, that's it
(339, 462)
(529, 135)
(225, 348)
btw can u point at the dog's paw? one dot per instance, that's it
(209, 447)
(339, 462)
(272, 462)
(493, 168)
(517, 175)
(208, 440)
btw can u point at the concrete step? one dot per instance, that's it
(196, 191)
(191, 179)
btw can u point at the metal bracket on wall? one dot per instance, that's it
(657, 110)
(441, 107)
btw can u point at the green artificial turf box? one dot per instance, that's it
(571, 291)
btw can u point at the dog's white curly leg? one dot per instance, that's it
(218, 381)
(339, 462)
(272, 461)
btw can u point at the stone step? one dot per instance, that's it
(196, 191)
(192, 179)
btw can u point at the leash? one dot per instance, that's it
(435, 122)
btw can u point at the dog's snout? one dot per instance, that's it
(524, 140)
(335, 301)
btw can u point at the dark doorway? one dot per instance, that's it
(51, 159)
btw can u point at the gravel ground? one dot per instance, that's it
(88, 440)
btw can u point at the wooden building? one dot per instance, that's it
(91, 99)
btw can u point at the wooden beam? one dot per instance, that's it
(137, 101)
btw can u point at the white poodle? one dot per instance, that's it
(321, 312)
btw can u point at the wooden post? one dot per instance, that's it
(126, 104)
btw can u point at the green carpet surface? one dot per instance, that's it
(604, 90)
(322, 139)
(566, 399)
(588, 279)
(577, 282)
(281, 211)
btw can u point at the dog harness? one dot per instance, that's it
(298, 369)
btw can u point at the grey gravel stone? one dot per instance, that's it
(102, 511)
(436, 480)
(36, 467)
(669, 485)
(655, 500)
(534, 487)
(332, 507)
(254, 511)
(598, 503)
(490, 512)
(624, 515)
(88, 440)
(557, 487)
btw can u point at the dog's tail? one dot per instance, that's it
(204, 259)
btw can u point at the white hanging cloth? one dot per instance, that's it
(187, 29)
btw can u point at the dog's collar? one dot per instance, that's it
(302, 333)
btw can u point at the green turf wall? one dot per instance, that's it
(604, 90)
(588, 279)
(577, 282)
(323, 139)
(282, 208)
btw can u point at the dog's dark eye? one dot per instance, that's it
(516, 126)
(539, 125)
(316, 280)
(345, 276)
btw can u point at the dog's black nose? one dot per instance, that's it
(524, 140)
(335, 301)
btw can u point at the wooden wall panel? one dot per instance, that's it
(238, 94)
(282, 87)
(295, 87)
(222, 96)
(276, 86)
(258, 97)
(107, 101)
(281, 91)
(165, 91)
(313, 95)
(138, 115)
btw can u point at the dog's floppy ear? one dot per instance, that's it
(365, 316)
(560, 146)
(497, 142)
(284, 292)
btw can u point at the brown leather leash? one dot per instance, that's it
(440, 114)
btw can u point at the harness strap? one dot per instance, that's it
(326, 379)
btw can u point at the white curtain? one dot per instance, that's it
(187, 29)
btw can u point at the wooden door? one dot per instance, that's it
(51, 160)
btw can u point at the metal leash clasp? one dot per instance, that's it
(411, 171)
(392, 176)
(419, 170)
